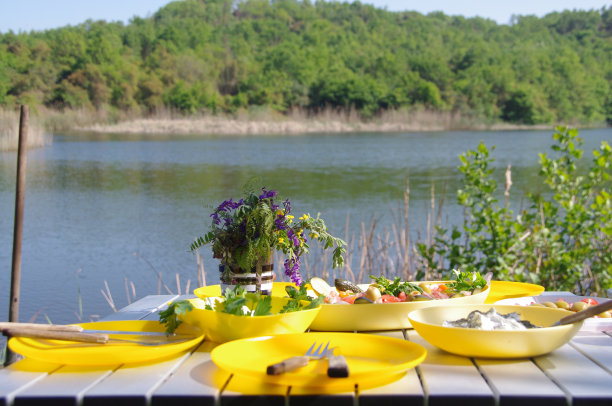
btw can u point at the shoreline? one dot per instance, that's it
(233, 126)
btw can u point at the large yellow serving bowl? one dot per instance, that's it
(278, 289)
(380, 316)
(497, 343)
(223, 327)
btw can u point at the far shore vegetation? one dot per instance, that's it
(293, 66)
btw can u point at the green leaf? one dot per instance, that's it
(263, 306)
(169, 316)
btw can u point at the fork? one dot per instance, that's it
(298, 361)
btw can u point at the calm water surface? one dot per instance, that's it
(117, 209)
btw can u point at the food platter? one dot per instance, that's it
(380, 316)
(372, 359)
(87, 354)
(591, 324)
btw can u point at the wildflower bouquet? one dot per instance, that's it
(246, 231)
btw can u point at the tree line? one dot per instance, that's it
(224, 56)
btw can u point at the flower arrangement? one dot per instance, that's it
(244, 232)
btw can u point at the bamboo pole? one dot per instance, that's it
(18, 229)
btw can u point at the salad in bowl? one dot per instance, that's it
(387, 303)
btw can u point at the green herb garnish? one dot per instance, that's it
(169, 316)
(297, 299)
(394, 288)
(466, 281)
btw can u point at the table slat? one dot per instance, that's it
(597, 346)
(132, 384)
(520, 383)
(21, 375)
(141, 309)
(449, 378)
(193, 382)
(583, 380)
(65, 386)
(406, 390)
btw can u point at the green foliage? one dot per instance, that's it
(169, 316)
(226, 56)
(563, 240)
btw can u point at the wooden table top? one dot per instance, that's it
(579, 373)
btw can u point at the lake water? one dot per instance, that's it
(121, 209)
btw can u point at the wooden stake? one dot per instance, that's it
(18, 230)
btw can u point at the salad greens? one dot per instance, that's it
(394, 288)
(466, 281)
(240, 303)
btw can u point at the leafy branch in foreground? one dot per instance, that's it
(563, 240)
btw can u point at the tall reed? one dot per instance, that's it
(9, 132)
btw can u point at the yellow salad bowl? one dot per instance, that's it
(471, 342)
(278, 289)
(222, 327)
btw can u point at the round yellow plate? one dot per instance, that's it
(380, 316)
(506, 290)
(369, 358)
(278, 289)
(496, 343)
(85, 354)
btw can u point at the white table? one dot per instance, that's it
(579, 373)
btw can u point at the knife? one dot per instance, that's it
(336, 365)
(71, 328)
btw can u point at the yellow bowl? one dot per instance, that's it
(278, 289)
(380, 316)
(223, 327)
(497, 343)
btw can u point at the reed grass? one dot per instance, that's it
(255, 120)
(9, 132)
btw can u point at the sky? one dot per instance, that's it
(27, 15)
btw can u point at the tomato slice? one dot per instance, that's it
(402, 296)
(390, 299)
(589, 301)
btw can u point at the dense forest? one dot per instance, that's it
(224, 56)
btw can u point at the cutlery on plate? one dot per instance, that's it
(298, 361)
(82, 337)
(585, 314)
(72, 328)
(336, 365)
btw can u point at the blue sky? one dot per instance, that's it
(26, 15)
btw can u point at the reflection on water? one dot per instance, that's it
(93, 202)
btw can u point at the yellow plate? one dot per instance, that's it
(278, 289)
(505, 290)
(498, 343)
(85, 354)
(370, 358)
(380, 316)
(222, 327)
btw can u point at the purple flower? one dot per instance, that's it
(267, 194)
(229, 205)
(287, 205)
(279, 222)
(292, 269)
(293, 237)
